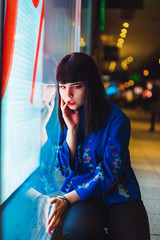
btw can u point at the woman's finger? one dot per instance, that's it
(51, 216)
(56, 209)
(64, 107)
(56, 213)
(62, 102)
(56, 220)
(53, 224)
(53, 200)
(76, 112)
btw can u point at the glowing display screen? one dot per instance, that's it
(21, 92)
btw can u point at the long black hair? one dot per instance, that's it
(77, 67)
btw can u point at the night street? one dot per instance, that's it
(145, 158)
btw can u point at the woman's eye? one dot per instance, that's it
(77, 86)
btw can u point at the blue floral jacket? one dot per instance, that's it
(103, 170)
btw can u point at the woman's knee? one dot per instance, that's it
(83, 232)
(81, 222)
(130, 221)
(75, 231)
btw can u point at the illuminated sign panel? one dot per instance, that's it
(22, 63)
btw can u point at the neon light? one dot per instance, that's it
(37, 53)
(136, 77)
(20, 121)
(102, 16)
(8, 42)
(35, 3)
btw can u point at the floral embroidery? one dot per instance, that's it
(117, 161)
(79, 153)
(123, 191)
(112, 147)
(116, 166)
(63, 169)
(100, 171)
(86, 185)
(99, 175)
(68, 185)
(87, 158)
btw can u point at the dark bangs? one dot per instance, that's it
(67, 71)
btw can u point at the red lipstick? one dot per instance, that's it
(70, 103)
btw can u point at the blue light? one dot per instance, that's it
(21, 121)
(112, 89)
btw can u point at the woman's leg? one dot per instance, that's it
(128, 221)
(84, 221)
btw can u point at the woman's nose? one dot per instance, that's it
(69, 92)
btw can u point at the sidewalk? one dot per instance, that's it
(145, 159)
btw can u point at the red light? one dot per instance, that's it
(147, 94)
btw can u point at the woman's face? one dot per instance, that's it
(73, 94)
(48, 91)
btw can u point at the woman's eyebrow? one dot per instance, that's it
(75, 83)
(72, 84)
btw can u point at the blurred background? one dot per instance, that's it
(123, 38)
(124, 42)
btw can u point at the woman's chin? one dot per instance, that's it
(73, 107)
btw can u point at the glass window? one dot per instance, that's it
(30, 126)
(28, 37)
(22, 70)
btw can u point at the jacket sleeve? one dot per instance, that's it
(63, 157)
(108, 171)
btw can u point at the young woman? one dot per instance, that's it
(101, 190)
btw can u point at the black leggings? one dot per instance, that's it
(124, 221)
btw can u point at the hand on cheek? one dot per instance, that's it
(70, 117)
